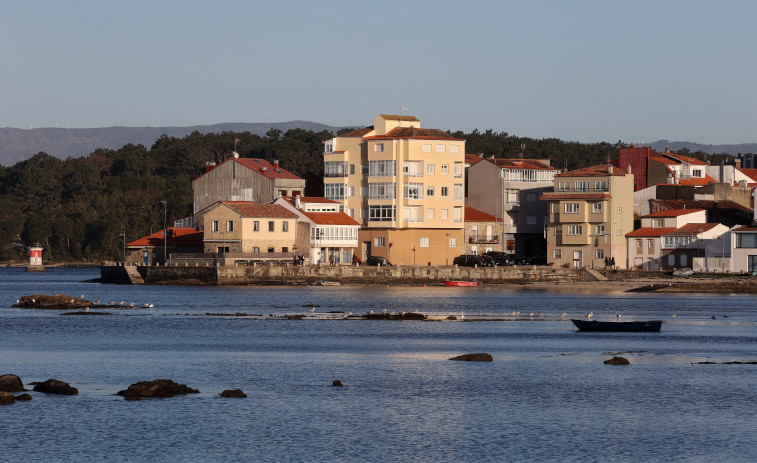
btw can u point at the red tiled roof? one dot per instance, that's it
(672, 213)
(330, 218)
(414, 133)
(746, 228)
(473, 159)
(599, 170)
(688, 159)
(650, 232)
(663, 160)
(249, 209)
(695, 181)
(693, 228)
(271, 171)
(185, 237)
(528, 164)
(751, 173)
(474, 215)
(700, 204)
(358, 133)
(561, 196)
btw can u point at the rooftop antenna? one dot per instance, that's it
(522, 147)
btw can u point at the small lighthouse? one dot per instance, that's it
(35, 259)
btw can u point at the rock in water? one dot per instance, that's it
(157, 388)
(53, 386)
(6, 398)
(337, 383)
(234, 393)
(11, 383)
(23, 397)
(617, 361)
(474, 357)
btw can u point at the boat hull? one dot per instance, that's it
(460, 283)
(648, 326)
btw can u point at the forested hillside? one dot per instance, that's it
(78, 208)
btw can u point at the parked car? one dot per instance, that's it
(376, 260)
(520, 260)
(500, 258)
(471, 260)
(540, 259)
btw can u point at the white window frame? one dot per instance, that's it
(426, 148)
(572, 208)
(445, 169)
(557, 253)
(379, 241)
(441, 148)
(430, 169)
(454, 149)
(596, 208)
(378, 147)
(425, 242)
(575, 230)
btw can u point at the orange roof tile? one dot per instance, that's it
(415, 133)
(751, 173)
(330, 218)
(562, 196)
(690, 160)
(600, 170)
(474, 215)
(663, 160)
(249, 209)
(693, 228)
(473, 159)
(270, 171)
(650, 232)
(185, 237)
(358, 133)
(697, 181)
(528, 164)
(672, 213)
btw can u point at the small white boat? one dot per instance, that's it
(327, 283)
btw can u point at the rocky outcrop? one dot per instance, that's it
(234, 394)
(474, 357)
(617, 361)
(11, 383)
(337, 383)
(54, 386)
(395, 316)
(6, 398)
(59, 302)
(160, 388)
(23, 397)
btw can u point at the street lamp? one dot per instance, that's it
(446, 251)
(223, 246)
(165, 242)
(413, 256)
(123, 234)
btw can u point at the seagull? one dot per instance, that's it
(462, 315)
(590, 314)
(72, 301)
(312, 310)
(121, 303)
(415, 310)
(673, 316)
(112, 302)
(81, 297)
(618, 315)
(383, 311)
(531, 315)
(541, 314)
(145, 305)
(86, 309)
(97, 301)
(131, 305)
(563, 315)
(370, 312)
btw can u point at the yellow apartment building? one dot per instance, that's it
(590, 212)
(404, 184)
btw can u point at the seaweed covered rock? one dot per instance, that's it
(54, 386)
(11, 383)
(234, 394)
(474, 357)
(6, 398)
(617, 361)
(158, 388)
(23, 397)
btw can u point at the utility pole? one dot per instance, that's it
(165, 241)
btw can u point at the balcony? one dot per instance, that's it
(483, 240)
(581, 190)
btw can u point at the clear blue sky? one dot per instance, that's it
(589, 71)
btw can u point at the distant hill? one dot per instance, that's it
(21, 144)
(660, 145)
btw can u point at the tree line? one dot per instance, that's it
(84, 208)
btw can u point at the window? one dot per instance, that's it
(214, 226)
(575, 230)
(452, 242)
(454, 148)
(650, 245)
(424, 241)
(285, 226)
(696, 173)
(458, 191)
(746, 240)
(413, 169)
(677, 241)
(352, 169)
(335, 191)
(558, 231)
(329, 147)
(582, 186)
(382, 168)
(271, 249)
(379, 241)
(599, 230)
(596, 208)
(381, 213)
(379, 147)
(444, 214)
(531, 197)
(412, 213)
(441, 148)
(271, 225)
(554, 207)
(563, 186)
(255, 225)
(335, 169)
(457, 169)
(426, 147)
(364, 169)
(458, 214)
(445, 191)
(255, 249)
(599, 253)
(600, 185)
(620, 232)
(381, 191)
(658, 223)
(230, 225)
(413, 191)
(571, 208)
(430, 190)
(639, 244)
(557, 253)
(430, 213)
(445, 169)
(430, 169)
(512, 196)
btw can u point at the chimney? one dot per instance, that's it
(209, 166)
(235, 154)
(297, 201)
(264, 169)
(276, 163)
(609, 169)
(667, 149)
(628, 169)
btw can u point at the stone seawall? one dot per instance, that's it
(294, 275)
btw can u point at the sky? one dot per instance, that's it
(578, 70)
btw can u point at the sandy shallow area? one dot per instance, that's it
(658, 285)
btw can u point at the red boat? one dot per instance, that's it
(460, 283)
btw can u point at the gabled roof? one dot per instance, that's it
(474, 215)
(663, 160)
(252, 210)
(563, 196)
(414, 133)
(185, 237)
(330, 218)
(700, 204)
(358, 133)
(650, 232)
(693, 228)
(751, 173)
(600, 170)
(260, 166)
(696, 181)
(527, 164)
(671, 213)
(473, 159)
(746, 228)
(391, 117)
(690, 160)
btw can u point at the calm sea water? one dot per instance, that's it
(546, 397)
